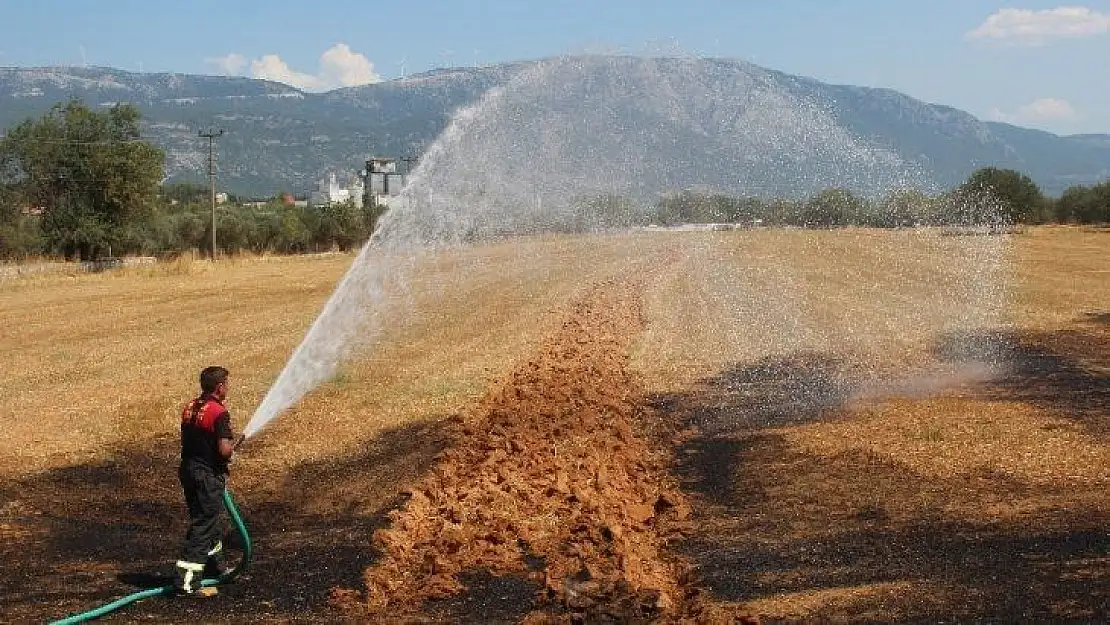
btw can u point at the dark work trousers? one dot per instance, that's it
(204, 489)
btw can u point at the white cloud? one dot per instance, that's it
(339, 66)
(231, 64)
(1035, 28)
(1042, 111)
(271, 67)
(342, 67)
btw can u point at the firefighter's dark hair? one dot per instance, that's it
(211, 378)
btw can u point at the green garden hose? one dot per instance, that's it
(244, 562)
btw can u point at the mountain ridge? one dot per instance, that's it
(281, 138)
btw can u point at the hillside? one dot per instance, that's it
(280, 138)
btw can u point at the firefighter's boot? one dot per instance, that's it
(214, 566)
(189, 576)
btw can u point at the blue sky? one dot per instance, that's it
(1038, 64)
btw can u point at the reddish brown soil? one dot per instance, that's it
(550, 480)
(551, 501)
(554, 499)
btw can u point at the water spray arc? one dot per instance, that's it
(521, 160)
(374, 283)
(528, 157)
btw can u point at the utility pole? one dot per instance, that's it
(211, 136)
(408, 161)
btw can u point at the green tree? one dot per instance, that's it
(185, 193)
(1084, 205)
(904, 208)
(90, 172)
(19, 232)
(1013, 196)
(239, 229)
(606, 211)
(295, 236)
(692, 208)
(343, 225)
(747, 210)
(833, 208)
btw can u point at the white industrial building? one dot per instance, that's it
(330, 192)
(385, 180)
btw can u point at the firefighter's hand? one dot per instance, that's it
(226, 449)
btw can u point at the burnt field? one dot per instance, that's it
(704, 427)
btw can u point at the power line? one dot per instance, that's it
(211, 136)
(408, 161)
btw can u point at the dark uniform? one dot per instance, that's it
(203, 473)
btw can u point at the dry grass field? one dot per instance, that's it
(810, 395)
(848, 475)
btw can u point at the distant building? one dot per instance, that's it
(330, 192)
(221, 198)
(384, 180)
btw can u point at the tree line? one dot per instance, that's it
(183, 221)
(82, 184)
(990, 196)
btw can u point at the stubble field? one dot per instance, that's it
(789, 425)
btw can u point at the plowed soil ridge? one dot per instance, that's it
(551, 478)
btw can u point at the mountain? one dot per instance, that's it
(698, 110)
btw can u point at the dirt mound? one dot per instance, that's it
(550, 479)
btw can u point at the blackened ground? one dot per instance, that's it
(769, 522)
(856, 537)
(86, 535)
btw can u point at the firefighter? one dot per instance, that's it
(206, 450)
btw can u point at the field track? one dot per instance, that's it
(552, 485)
